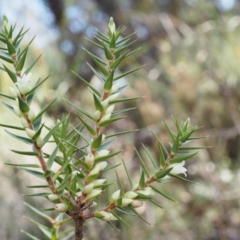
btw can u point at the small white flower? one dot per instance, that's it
(25, 83)
(178, 168)
(102, 153)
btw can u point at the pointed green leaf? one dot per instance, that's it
(25, 153)
(35, 173)
(150, 157)
(38, 84)
(155, 203)
(97, 103)
(115, 64)
(142, 162)
(24, 165)
(181, 178)
(44, 110)
(99, 76)
(7, 59)
(182, 157)
(109, 121)
(161, 193)
(81, 110)
(128, 174)
(21, 62)
(7, 96)
(11, 74)
(97, 142)
(119, 50)
(120, 133)
(20, 138)
(120, 185)
(37, 134)
(39, 212)
(109, 82)
(142, 180)
(30, 235)
(23, 106)
(162, 173)
(88, 127)
(87, 83)
(172, 134)
(99, 159)
(52, 158)
(38, 186)
(11, 48)
(162, 160)
(122, 111)
(139, 215)
(107, 52)
(32, 65)
(175, 145)
(11, 126)
(123, 100)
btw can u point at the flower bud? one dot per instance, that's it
(94, 173)
(24, 122)
(105, 117)
(96, 115)
(89, 160)
(17, 111)
(94, 204)
(31, 115)
(126, 202)
(110, 109)
(106, 216)
(88, 188)
(53, 197)
(101, 165)
(61, 207)
(102, 153)
(30, 132)
(115, 196)
(105, 103)
(98, 182)
(115, 88)
(13, 92)
(113, 97)
(136, 203)
(94, 193)
(40, 142)
(130, 195)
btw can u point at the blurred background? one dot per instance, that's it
(191, 56)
